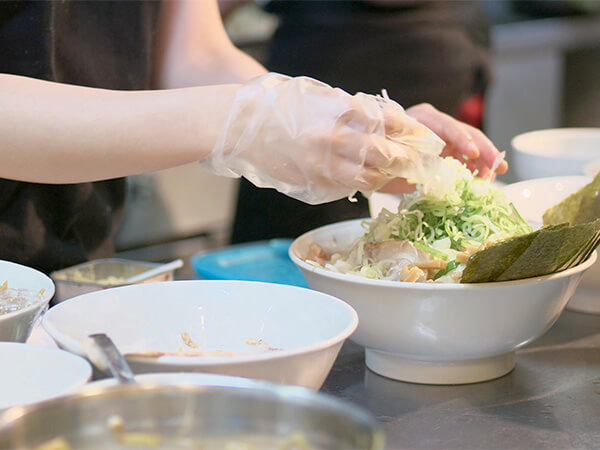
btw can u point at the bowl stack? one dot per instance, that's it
(31, 373)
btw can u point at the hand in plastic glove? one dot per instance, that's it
(318, 144)
(462, 140)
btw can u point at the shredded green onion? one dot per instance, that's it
(449, 268)
(473, 213)
(432, 251)
(449, 213)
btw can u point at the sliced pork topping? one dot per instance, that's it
(317, 254)
(398, 253)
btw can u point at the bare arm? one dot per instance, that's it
(196, 50)
(193, 48)
(56, 133)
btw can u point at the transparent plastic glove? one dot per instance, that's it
(319, 144)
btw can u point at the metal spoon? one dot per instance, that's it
(157, 270)
(103, 353)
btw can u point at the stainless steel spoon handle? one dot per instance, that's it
(117, 365)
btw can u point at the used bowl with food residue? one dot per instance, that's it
(532, 198)
(268, 331)
(192, 411)
(24, 294)
(554, 152)
(439, 333)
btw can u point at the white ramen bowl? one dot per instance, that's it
(31, 373)
(554, 152)
(16, 326)
(532, 198)
(439, 333)
(244, 318)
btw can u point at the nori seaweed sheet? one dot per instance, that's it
(551, 249)
(582, 206)
(570, 234)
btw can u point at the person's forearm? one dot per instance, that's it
(194, 50)
(56, 133)
(233, 66)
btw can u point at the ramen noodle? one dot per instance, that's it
(12, 300)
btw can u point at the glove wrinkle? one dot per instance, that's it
(316, 143)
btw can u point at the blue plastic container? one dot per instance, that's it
(266, 261)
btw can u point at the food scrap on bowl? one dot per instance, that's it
(258, 344)
(12, 299)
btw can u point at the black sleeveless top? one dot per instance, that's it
(89, 43)
(420, 51)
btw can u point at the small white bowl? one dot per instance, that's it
(309, 327)
(17, 325)
(532, 198)
(439, 333)
(554, 152)
(31, 374)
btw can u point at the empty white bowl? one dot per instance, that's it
(31, 374)
(532, 198)
(439, 333)
(307, 327)
(554, 152)
(17, 325)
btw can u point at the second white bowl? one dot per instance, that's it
(235, 322)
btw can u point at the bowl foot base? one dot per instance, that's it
(585, 300)
(427, 372)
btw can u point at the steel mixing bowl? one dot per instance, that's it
(187, 409)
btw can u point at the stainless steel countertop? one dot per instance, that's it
(550, 400)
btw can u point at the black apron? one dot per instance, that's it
(420, 51)
(89, 43)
